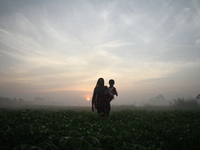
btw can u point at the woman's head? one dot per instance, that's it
(100, 82)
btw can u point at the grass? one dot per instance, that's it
(128, 129)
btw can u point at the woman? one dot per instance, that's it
(100, 99)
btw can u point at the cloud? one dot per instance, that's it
(197, 42)
(67, 45)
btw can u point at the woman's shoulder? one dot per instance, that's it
(97, 88)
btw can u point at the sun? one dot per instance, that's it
(87, 97)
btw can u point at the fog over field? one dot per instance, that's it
(56, 50)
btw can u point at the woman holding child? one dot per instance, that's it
(101, 99)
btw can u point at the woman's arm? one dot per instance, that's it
(93, 99)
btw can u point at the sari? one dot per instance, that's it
(101, 101)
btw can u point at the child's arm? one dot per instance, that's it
(116, 92)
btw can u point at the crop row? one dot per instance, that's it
(130, 129)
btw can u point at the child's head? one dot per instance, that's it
(111, 82)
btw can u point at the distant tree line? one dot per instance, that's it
(159, 101)
(190, 103)
(8, 102)
(4, 101)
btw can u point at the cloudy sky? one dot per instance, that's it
(58, 49)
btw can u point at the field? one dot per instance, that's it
(50, 129)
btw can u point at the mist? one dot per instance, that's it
(58, 50)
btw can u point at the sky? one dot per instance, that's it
(57, 50)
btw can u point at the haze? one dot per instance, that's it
(58, 49)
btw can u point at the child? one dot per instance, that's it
(112, 90)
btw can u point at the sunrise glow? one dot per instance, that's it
(87, 97)
(57, 53)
